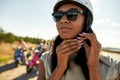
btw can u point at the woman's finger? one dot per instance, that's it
(67, 46)
(89, 36)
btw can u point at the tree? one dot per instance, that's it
(1, 30)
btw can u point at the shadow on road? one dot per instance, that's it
(27, 76)
(7, 67)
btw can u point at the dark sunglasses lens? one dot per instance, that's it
(57, 16)
(72, 15)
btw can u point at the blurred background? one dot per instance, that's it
(31, 22)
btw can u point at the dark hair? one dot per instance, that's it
(80, 59)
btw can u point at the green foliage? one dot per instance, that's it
(31, 40)
(10, 38)
(5, 59)
(1, 30)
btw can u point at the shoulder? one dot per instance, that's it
(45, 56)
(109, 67)
(107, 60)
(46, 59)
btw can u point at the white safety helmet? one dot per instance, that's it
(85, 4)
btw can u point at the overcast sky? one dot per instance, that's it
(33, 18)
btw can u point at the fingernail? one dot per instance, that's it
(84, 33)
(78, 37)
(79, 47)
(75, 40)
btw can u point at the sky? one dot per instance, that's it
(33, 18)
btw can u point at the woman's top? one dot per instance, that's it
(109, 68)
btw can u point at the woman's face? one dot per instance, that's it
(70, 29)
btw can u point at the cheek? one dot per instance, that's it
(80, 24)
(78, 27)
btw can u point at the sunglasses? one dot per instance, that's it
(71, 14)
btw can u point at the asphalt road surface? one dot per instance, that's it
(10, 72)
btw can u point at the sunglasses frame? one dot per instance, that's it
(57, 16)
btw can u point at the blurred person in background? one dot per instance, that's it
(76, 51)
(40, 45)
(20, 53)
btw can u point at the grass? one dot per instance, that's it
(7, 51)
(5, 60)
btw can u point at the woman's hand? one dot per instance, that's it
(95, 48)
(93, 57)
(65, 49)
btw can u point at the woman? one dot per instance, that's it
(75, 54)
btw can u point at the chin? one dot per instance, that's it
(67, 37)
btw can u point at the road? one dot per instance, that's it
(10, 72)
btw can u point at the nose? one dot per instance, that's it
(64, 20)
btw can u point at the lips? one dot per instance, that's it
(65, 31)
(64, 28)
